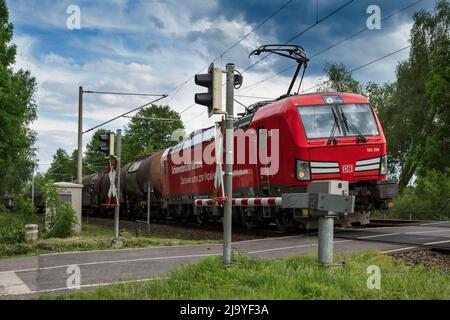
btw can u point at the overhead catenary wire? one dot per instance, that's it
(302, 32)
(126, 113)
(361, 66)
(331, 46)
(152, 118)
(232, 46)
(291, 39)
(354, 69)
(123, 93)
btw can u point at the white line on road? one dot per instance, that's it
(434, 231)
(431, 223)
(378, 235)
(399, 249)
(115, 261)
(11, 284)
(293, 247)
(436, 242)
(86, 286)
(129, 249)
(265, 239)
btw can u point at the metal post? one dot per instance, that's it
(229, 157)
(32, 188)
(326, 229)
(80, 137)
(148, 206)
(117, 208)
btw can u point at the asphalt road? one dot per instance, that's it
(23, 278)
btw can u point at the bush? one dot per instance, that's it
(430, 192)
(3, 209)
(62, 222)
(24, 207)
(12, 234)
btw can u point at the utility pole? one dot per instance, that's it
(32, 188)
(80, 137)
(229, 158)
(117, 208)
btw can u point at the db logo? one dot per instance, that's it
(347, 168)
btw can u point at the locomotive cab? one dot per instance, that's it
(344, 140)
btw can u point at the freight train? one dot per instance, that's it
(280, 147)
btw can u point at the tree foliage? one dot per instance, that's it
(62, 167)
(431, 193)
(143, 136)
(94, 160)
(17, 111)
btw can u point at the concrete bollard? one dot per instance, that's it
(32, 231)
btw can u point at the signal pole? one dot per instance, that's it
(80, 137)
(117, 208)
(229, 158)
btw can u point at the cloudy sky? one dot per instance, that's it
(152, 46)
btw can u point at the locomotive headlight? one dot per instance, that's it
(303, 172)
(384, 166)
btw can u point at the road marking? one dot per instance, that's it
(399, 249)
(431, 223)
(293, 247)
(86, 286)
(433, 231)
(130, 249)
(436, 242)
(11, 284)
(115, 261)
(378, 235)
(266, 239)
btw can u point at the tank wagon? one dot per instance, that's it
(280, 147)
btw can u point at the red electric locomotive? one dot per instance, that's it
(280, 148)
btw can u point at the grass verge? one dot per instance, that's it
(287, 278)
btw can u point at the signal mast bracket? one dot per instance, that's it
(294, 52)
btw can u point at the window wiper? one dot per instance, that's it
(333, 130)
(354, 128)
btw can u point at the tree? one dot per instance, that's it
(422, 95)
(61, 167)
(340, 79)
(415, 110)
(17, 111)
(145, 135)
(94, 160)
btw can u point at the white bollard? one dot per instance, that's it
(32, 232)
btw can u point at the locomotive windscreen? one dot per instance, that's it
(347, 119)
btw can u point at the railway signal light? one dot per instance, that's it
(108, 143)
(213, 98)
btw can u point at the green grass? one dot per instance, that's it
(442, 216)
(287, 278)
(92, 237)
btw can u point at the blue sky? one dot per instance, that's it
(152, 46)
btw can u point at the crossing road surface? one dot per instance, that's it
(26, 277)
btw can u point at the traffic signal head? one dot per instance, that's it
(213, 98)
(108, 143)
